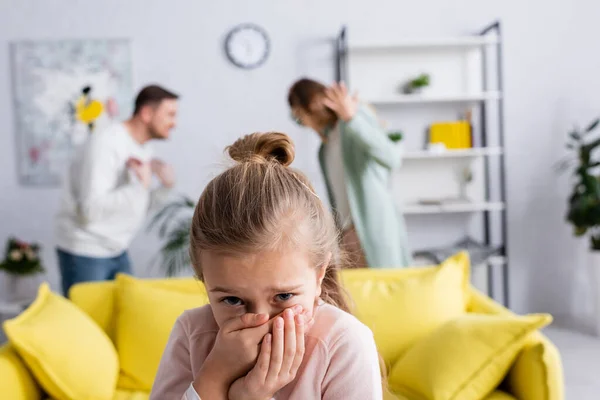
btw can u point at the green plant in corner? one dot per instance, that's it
(173, 223)
(584, 202)
(21, 258)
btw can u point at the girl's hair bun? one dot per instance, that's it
(263, 148)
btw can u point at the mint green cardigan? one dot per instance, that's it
(369, 157)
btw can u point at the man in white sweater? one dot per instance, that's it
(108, 191)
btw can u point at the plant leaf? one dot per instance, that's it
(593, 125)
(174, 229)
(167, 212)
(175, 252)
(590, 146)
(564, 164)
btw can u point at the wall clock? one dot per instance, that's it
(247, 46)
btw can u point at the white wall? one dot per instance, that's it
(551, 81)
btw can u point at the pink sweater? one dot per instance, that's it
(340, 361)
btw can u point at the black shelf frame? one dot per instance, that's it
(495, 29)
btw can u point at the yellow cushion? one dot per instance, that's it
(127, 395)
(537, 372)
(497, 395)
(70, 356)
(97, 299)
(465, 359)
(16, 381)
(402, 306)
(145, 316)
(533, 375)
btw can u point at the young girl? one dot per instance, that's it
(277, 324)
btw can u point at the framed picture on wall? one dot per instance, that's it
(64, 91)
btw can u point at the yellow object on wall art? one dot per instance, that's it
(454, 135)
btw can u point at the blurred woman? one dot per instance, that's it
(356, 159)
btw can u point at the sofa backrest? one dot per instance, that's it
(98, 299)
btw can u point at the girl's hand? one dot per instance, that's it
(233, 354)
(342, 104)
(280, 357)
(237, 346)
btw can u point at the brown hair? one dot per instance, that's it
(262, 204)
(304, 94)
(152, 95)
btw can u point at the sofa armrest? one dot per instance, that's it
(537, 372)
(538, 362)
(16, 382)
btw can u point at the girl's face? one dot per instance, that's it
(263, 283)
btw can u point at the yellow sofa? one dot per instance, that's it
(536, 374)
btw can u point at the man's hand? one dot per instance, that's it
(164, 172)
(142, 170)
(340, 102)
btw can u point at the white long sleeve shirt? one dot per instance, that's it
(103, 204)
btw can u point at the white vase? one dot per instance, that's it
(19, 289)
(594, 269)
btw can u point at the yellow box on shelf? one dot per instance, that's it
(454, 135)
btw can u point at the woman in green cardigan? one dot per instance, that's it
(356, 159)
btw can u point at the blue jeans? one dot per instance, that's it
(75, 269)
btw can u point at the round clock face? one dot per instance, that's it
(247, 46)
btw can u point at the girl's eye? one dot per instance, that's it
(284, 296)
(232, 301)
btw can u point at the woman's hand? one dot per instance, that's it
(280, 357)
(342, 104)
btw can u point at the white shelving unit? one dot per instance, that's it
(433, 99)
(10, 308)
(436, 43)
(447, 154)
(440, 209)
(452, 207)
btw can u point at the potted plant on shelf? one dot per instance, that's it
(20, 264)
(395, 136)
(173, 223)
(416, 85)
(584, 202)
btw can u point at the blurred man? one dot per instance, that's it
(108, 191)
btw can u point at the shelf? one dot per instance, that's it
(496, 260)
(433, 99)
(441, 43)
(449, 154)
(11, 308)
(452, 207)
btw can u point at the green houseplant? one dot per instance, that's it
(173, 223)
(584, 202)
